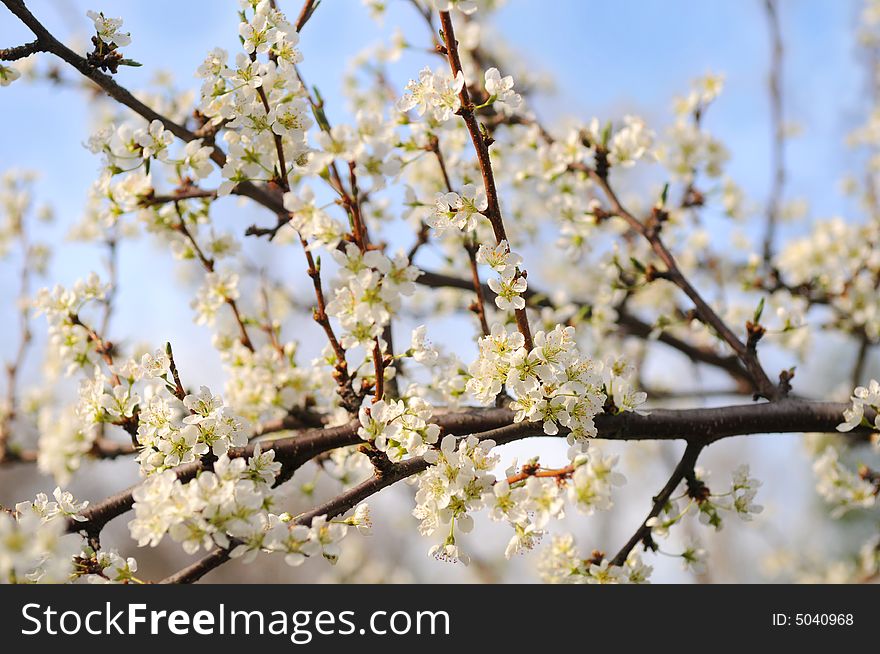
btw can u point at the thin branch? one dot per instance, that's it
(181, 194)
(102, 449)
(208, 265)
(534, 470)
(778, 127)
(103, 347)
(626, 321)
(305, 13)
(479, 306)
(862, 355)
(481, 145)
(684, 468)
(20, 51)
(651, 232)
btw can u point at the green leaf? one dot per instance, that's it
(759, 311)
(606, 134)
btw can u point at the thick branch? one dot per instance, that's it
(700, 427)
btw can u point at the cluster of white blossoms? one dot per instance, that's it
(561, 564)
(16, 201)
(863, 397)
(266, 383)
(277, 143)
(37, 545)
(34, 544)
(509, 286)
(628, 143)
(704, 91)
(68, 336)
(101, 400)
(460, 211)
(624, 145)
(838, 263)
(399, 428)
(553, 383)
(219, 288)
(235, 506)
(436, 92)
(367, 292)
(592, 481)
(311, 221)
(258, 100)
(842, 488)
(171, 428)
(129, 147)
(63, 443)
(189, 232)
(689, 149)
(530, 504)
(448, 374)
(172, 432)
(458, 482)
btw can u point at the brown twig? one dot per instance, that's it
(651, 231)
(102, 449)
(208, 265)
(469, 246)
(188, 193)
(482, 149)
(305, 14)
(534, 470)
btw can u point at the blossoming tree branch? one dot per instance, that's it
(447, 198)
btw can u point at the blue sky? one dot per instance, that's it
(605, 58)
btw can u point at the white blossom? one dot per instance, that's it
(108, 29)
